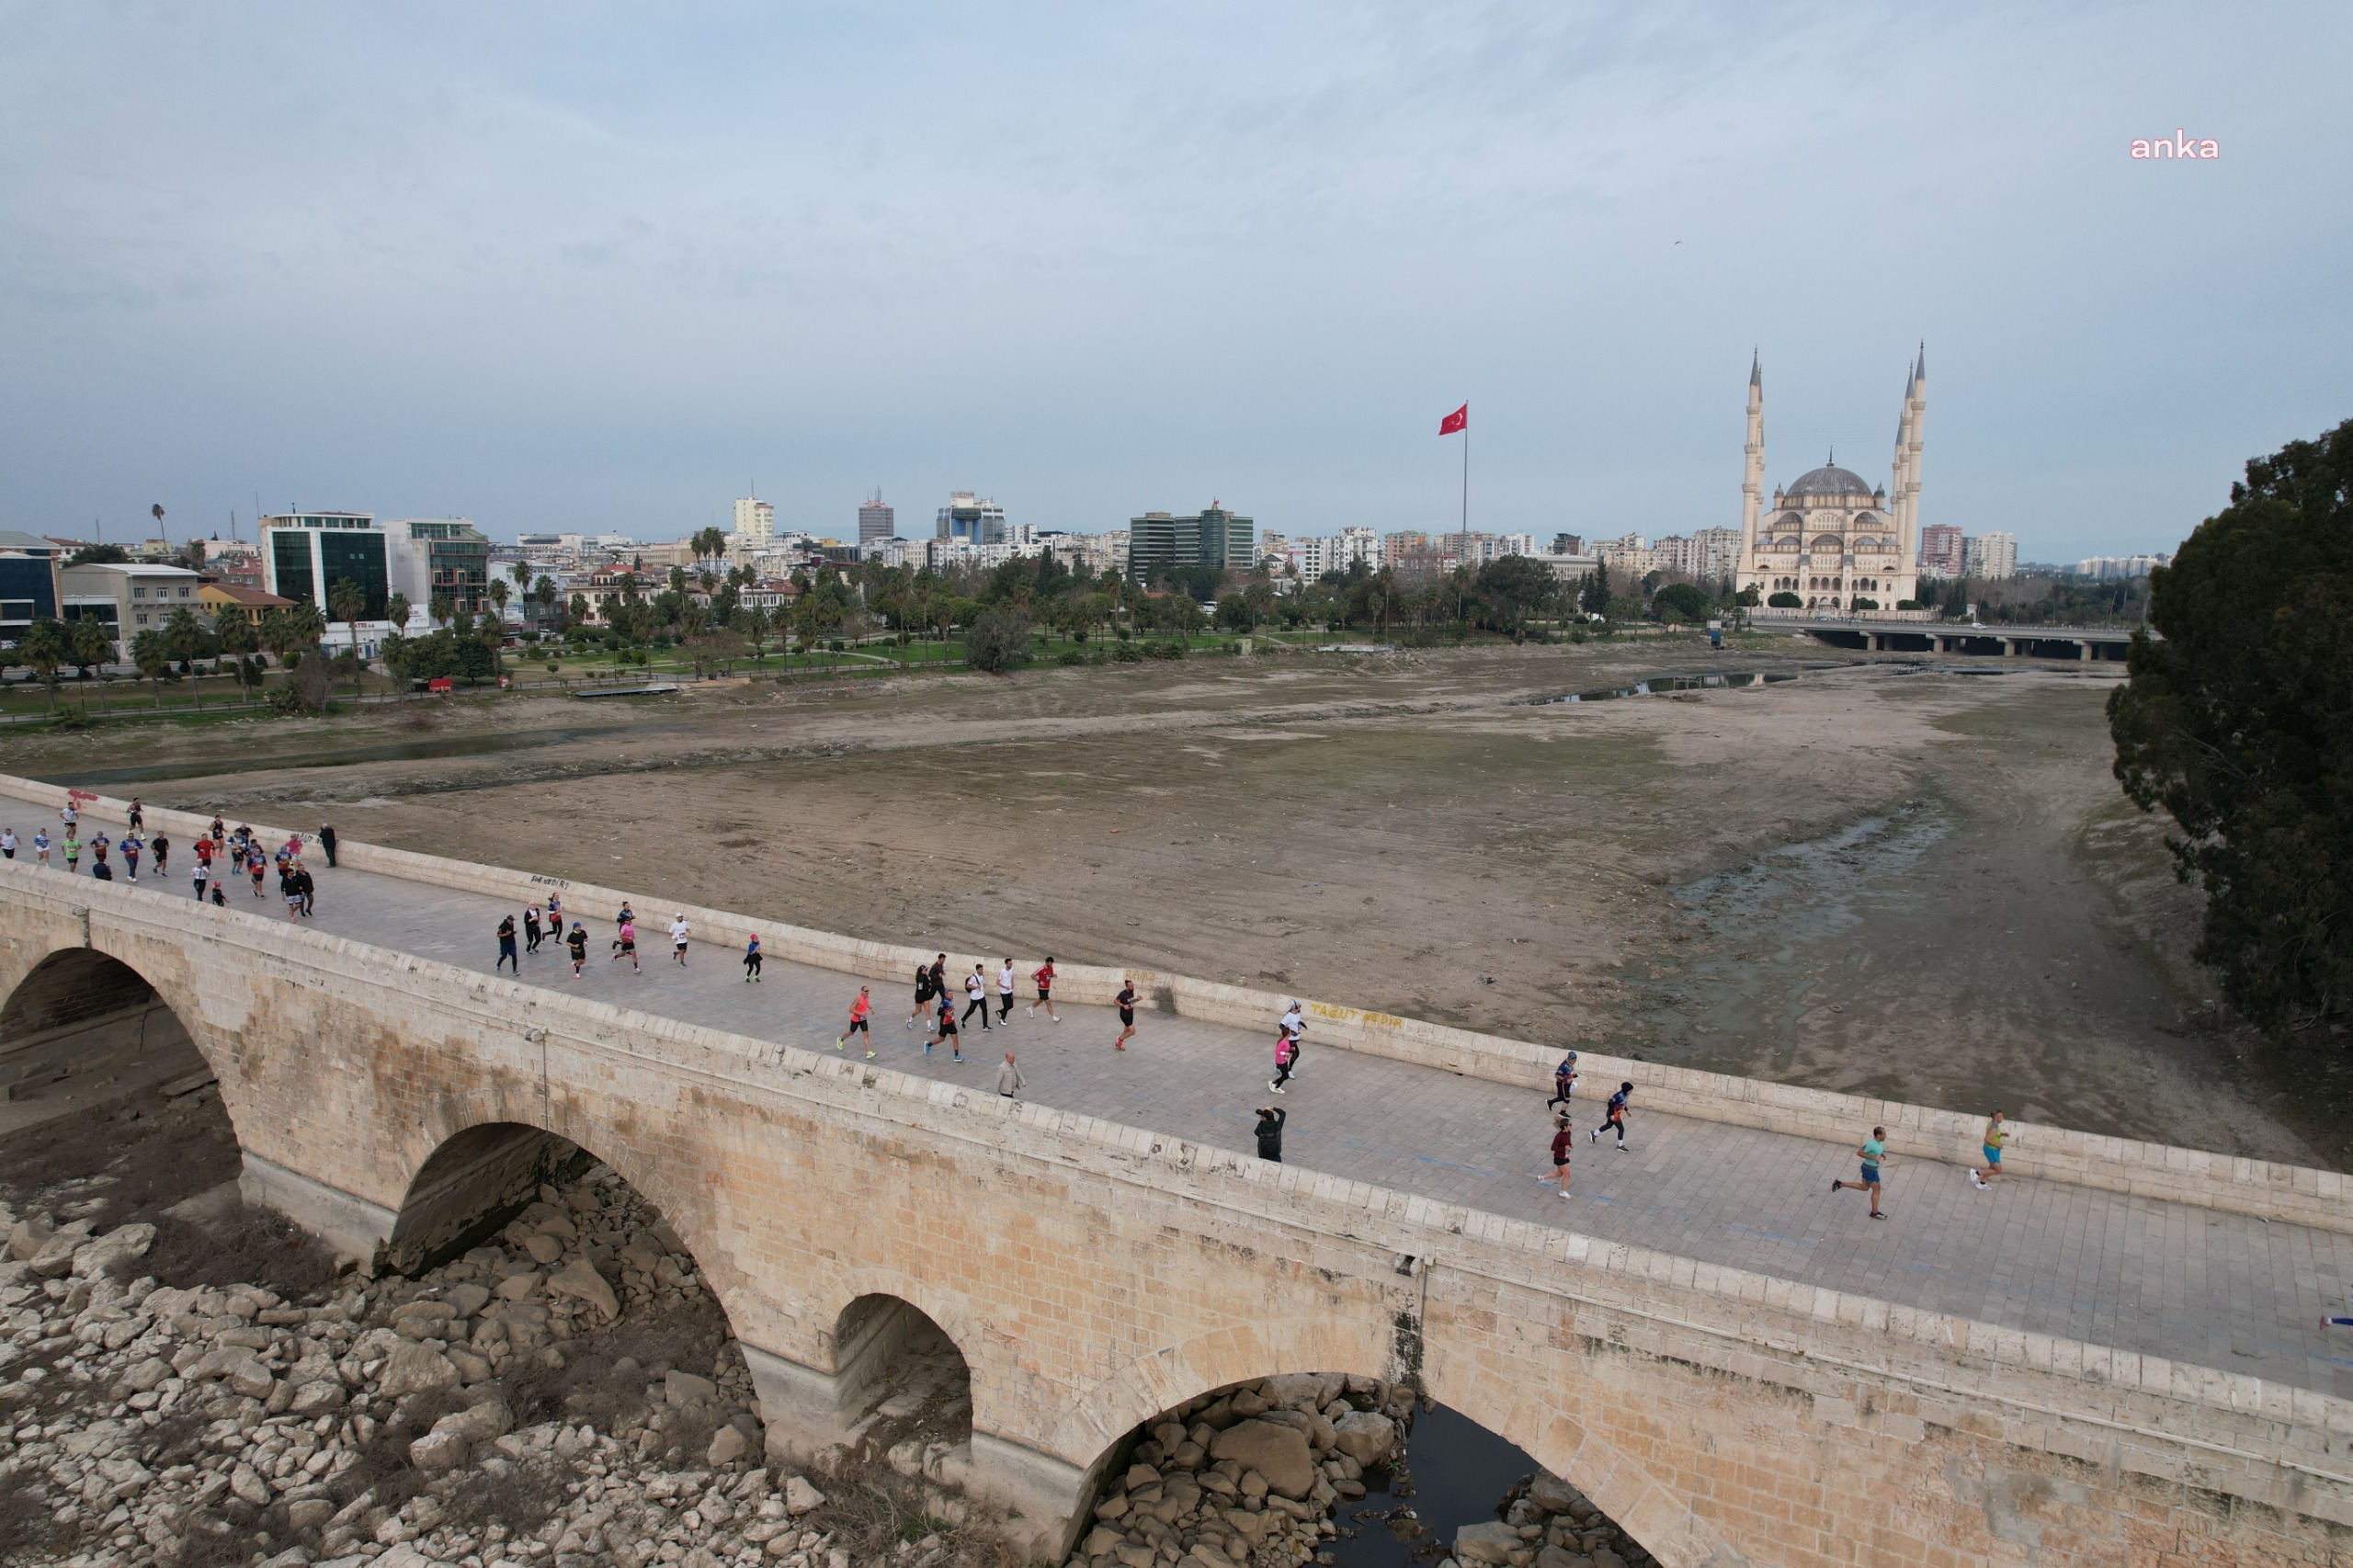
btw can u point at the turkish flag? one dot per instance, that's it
(1458, 420)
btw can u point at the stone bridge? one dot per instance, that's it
(1815, 1401)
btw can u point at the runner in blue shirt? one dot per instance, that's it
(1872, 1153)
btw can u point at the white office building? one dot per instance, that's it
(1989, 557)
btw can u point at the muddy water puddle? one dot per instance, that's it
(1712, 680)
(1455, 1472)
(390, 751)
(1759, 936)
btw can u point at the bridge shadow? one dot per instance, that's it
(82, 1021)
(904, 1391)
(1355, 1472)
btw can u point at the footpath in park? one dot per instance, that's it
(2201, 1286)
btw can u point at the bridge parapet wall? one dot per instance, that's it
(2266, 1188)
(1094, 1273)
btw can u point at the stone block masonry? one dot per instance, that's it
(1093, 1274)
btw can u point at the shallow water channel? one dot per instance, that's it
(1456, 1472)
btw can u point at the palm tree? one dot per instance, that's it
(499, 599)
(397, 610)
(43, 649)
(349, 601)
(521, 573)
(91, 647)
(149, 651)
(234, 635)
(441, 607)
(276, 633)
(184, 635)
(753, 624)
(710, 545)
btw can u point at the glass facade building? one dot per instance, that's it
(1158, 541)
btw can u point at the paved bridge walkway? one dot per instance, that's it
(2217, 1290)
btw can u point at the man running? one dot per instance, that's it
(506, 946)
(72, 847)
(7, 844)
(1271, 1132)
(308, 886)
(1126, 1001)
(1872, 1153)
(857, 1016)
(752, 958)
(1994, 1134)
(922, 994)
(1565, 1083)
(1005, 991)
(947, 1027)
(133, 847)
(678, 938)
(201, 872)
(1615, 1118)
(40, 844)
(578, 943)
(138, 814)
(69, 816)
(1044, 978)
(626, 943)
(976, 997)
(530, 927)
(163, 848)
(291, 895)
(1565, 1138)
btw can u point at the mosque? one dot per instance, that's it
(1831, 537)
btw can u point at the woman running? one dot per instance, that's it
(257, 862)
(626, 943)
(752, 958)
(922, 994)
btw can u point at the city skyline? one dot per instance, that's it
(558, 276)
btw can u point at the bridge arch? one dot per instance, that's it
(78, 1004)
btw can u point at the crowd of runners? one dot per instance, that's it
(223, 855)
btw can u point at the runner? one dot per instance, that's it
(99, 845)
(1045, 978)
(1126, 1002)
(1614, 1118)
(308, 887)
(217, 831)
(2327, 1324)
(947, 1027)
(1565, 1083)
(976, 997)
(292, 896)
(939, 977)
(626, 943)
(678, 938)
(257, 862)
(1994, 1134)
(203, 858)
(530, 927)
(41, 844)
(506, 945)
(752, 958)
(1005, 991)
(627, 916)
(220, 894)
(201, 872)
(857, 1018)
(1872, 1154)
(72, 847)
(578, 943)
(138, 814)
(163, 848)
(7, 843)
(922, 994)
(131, 847)
(1271, 1132)
(556, 914)
(1565, 1138)
(1286, 1052)
(69, 816)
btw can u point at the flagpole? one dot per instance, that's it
(1466, 479)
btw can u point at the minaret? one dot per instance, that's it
(1907, 496)
(1752, 484)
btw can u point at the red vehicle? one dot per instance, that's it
(439, 685)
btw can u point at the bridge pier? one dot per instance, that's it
(355, 1227)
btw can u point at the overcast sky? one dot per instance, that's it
(587, 267)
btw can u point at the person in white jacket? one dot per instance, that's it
(1008, 1078)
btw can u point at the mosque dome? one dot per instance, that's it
(1830, 480)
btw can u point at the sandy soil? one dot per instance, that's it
(1881, 876)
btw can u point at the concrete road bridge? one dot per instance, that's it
(2083, 643)
(2111, 1360)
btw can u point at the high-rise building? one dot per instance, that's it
(440, 557)
(1989, 557)
(1214, 537)
(304, 554)
(1941, 550)
(754, 523)
(29, 589)
(974, 519)
(876, 523)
